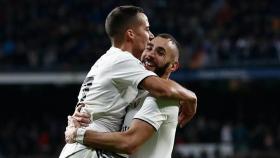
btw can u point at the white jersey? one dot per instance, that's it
(109, 87)
(163, 118)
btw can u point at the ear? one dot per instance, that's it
(130, 34)
(174, 66)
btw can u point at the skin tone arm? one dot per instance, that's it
(122, 142)
(161, 87)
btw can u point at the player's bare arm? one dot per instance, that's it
(162, 88)
(122, 142)
(126, 142)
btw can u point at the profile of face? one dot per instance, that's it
(160, 56)
(141, 35)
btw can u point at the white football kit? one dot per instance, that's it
(109, 87)
(163, 118)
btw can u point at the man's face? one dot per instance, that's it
(142, 34)
(158, 55)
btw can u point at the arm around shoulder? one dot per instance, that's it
(159, 87)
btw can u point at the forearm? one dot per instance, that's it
(115, 141)
(122, 142)
(181, 93)
(167, 89)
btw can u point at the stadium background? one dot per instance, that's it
(230, 58)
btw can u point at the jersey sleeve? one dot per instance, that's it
(130, 71)
(150, 113)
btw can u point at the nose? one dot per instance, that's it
(151, 35)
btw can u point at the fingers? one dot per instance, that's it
(82, 120)
(72, 122)
(75, 121)
(81, 117)
(82, 114)
(187, 111)
(79, 107)
(84, 124)
(182, 120)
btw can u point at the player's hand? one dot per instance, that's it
(187, 111)
(71, 130)
(82, 117)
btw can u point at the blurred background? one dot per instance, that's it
(230, 57)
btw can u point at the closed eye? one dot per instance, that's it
(160, 51)
(149, 46)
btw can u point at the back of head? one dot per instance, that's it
(120, 19)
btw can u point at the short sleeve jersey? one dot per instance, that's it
(109, 87)
(163, 118)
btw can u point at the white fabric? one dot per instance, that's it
(110, 85)
(163, 119)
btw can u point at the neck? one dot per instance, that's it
(165, 76)
(126, 46)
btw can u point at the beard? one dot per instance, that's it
(161, 70)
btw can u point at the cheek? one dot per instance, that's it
(144, 54)
(145, 35)
(162, 62)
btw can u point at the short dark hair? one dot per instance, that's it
(168, 36)
(120, 18)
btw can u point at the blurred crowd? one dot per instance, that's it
(244, 138)
(69, 34)
(27, 137)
